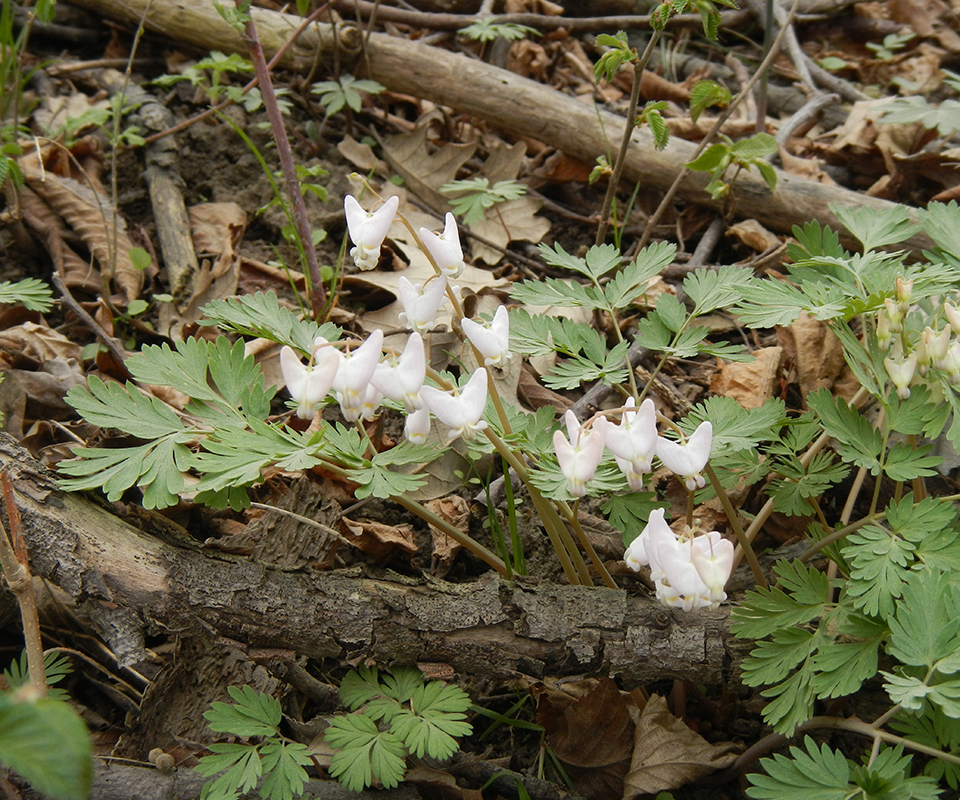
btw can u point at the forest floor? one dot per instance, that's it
(573, 717)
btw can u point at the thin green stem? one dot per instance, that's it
(734, 519)
(573, 518)
(441, 524)
(572, 562)
(638, 67)
(724, 116)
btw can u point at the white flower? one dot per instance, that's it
(417, 427)
(445, 247)
(712, 557)
(578, 458)
(634, 441)
(421, 302)
(356, 369)
(308, 385)
(687, 460)
(953, 317)
(901, 373)
(932, 348)
(368, 229)
(401, 379)
(681, 586)
(493, 342)
(950, 363)
(462, 412)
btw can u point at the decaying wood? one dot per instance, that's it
(508, 101)
(127, 583)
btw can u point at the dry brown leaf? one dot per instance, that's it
(750, 383)
(815, 351)
(811, 168)
(591, 734)
(442, 784)
(455, 510)
(379, 541)
(37, 342)
(668, 755)
(94, 219)
(754, 235)
(360, 155)
(216, 229)
(423, 169)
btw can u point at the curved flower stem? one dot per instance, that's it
(734, 519)
(638, 67)
(461, 538)
(572, 562)
(573, 518)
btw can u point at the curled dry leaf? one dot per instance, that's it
(668, 755)
(94, 219)
(750, 383)
(456, 511)
(216, 229)
(592, 735)
(378, 540)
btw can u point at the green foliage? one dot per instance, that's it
(891, 43)
(488, 29)
(706, 94)
(345, 92)
(824, 774)
(209, 74)
(620, 53)
(417, 717)
(56, 667)
(658, 126)
(32, 294)
(744, 154)
(46, 742)
(282, 762)
(480, 195)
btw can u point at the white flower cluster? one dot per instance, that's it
(360, 378)
(934, 350)
(689, 573)
(634, 443)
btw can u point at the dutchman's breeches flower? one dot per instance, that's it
(353, 376)
(401, 379)
(309, 385)
(634, 441)
(417, 427)
(901, 373)
(445, 247)
(493, 342)
(688, 574)
(461, 412)
(368, 229)
(421, 302)
(579, 456)
(687, 460)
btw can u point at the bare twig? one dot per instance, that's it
(15, 564)
(318, 296)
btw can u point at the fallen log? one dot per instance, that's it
(503, 99)
(128, 584)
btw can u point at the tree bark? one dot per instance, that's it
(504, 99)
(127, 582)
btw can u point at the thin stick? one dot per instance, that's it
(15, 564)
(318, 296)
